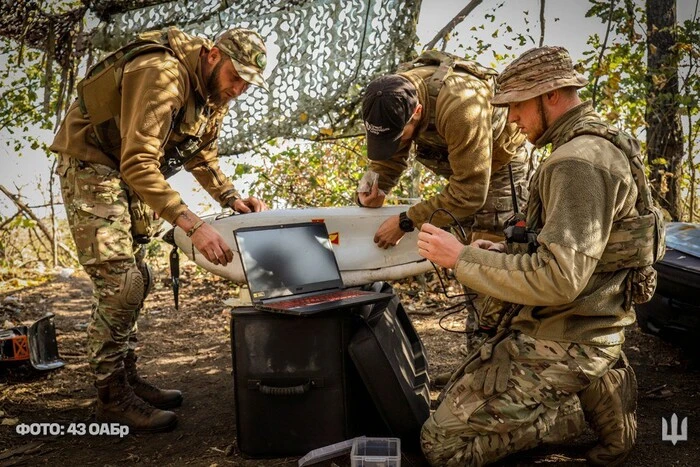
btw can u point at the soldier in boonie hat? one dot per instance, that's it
(537, 72)
(246, 50)
(581, 215)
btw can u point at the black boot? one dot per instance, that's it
(160, 398)
(117, 403)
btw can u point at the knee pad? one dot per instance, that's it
(133, 289)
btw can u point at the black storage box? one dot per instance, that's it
(390, 358)
(292, 389)
(304, 382)
(674, 311)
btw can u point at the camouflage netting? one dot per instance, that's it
(321, 53)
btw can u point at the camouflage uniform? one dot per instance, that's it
(587, 204)
(96, 203)
(469, 428)
(109, 167)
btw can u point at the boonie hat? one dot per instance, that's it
(387, 106)
(536, 72)
(247, 52)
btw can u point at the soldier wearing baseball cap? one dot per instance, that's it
(559, 352)
(439, 104)
(389, 103)
(246, 50)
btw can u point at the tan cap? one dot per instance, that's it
(247, 52)
(536, 72)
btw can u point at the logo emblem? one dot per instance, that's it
(674, 436)
(261, 60)
(375, 129)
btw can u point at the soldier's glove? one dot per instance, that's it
(492, 370)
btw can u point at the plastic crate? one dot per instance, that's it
(376, 452)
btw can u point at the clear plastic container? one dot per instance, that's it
(376, 452)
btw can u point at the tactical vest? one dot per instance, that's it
(637, 241)
(429, 144)
(99, 100)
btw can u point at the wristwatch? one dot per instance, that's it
(405, 223)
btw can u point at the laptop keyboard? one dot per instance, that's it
(314, 299)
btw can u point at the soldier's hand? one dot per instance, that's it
(389, 233)
(250, 204)
(492, 371)
(438, 246)
(372, 199)
(212, 245)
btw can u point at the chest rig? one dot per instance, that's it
(635, 242)
(431, 148)
(99, 100)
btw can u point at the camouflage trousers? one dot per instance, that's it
(97, 207)
(469, 428)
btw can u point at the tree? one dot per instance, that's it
(664, 131)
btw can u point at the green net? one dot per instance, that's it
(321, 53)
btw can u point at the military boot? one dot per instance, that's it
(159, 398)
(117, 403)
(610, 405)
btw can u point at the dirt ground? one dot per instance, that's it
(190, 349)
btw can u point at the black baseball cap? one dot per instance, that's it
(387, 106)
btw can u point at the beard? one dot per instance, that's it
(214, 86)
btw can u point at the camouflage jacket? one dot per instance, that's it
(460, 146)
(576, 195)
(156, 87)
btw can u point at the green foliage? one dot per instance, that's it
(23, 79)
(616, 69)
(621, 90)
(321, 174)
(475, 48)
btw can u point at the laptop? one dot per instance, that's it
(292, 269)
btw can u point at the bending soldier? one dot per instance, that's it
(142, 112)
(441, 103)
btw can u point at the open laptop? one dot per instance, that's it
(292, 269)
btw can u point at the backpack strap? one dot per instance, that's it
(446, 64)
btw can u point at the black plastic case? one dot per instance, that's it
(305, 382)
(390, 359)
(292, 392)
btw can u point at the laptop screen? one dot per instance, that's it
(281, 260)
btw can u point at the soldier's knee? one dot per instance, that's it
(133, 288)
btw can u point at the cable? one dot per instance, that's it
(469, 301)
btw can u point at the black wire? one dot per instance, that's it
(469, 302)
(462, 307)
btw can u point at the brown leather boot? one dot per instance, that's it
(610, 405)
(159, 398)
(117, 403)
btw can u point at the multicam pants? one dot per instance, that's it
(469, 428)
(97, 206)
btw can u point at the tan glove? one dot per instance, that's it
(492, 370)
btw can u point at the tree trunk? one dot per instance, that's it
(664, 132)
